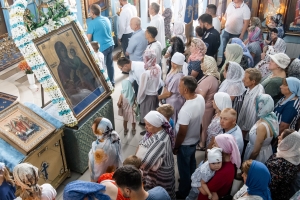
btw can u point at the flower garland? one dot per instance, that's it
(23, 41)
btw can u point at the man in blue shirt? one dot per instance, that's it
(137, 43)
(99, 29)
(129, 180)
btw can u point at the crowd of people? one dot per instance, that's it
(243, 113)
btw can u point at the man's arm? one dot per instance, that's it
(89, 36)
(245, 26)
(180, 137)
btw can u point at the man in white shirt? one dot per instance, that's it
(125, 32)
(153, 44)
(212, 10)
(188, 133)
(228, 123)
(237, 20)
(158, 22)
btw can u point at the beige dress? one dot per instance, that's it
(127, 111)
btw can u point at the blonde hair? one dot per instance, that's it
(178, 68)
(254, 74)
(246, 166)
(133, 160)
(7, 176)
(95, 130)
(166, 110)
(231, 111)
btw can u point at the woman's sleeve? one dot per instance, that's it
(288, 115)
(142, 87)
(153, 154)
(173, 85)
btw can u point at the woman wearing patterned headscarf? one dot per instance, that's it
(233, 53)
(155, 151)
(167, 14)
(294, 68)
(178, 30)
(198, 50)
(150, 82)
(26, 176)
(263, 65)
(276, 22)
(284, 164)
(262, 132)
(247, 60)
(105, 154)
(207, 86)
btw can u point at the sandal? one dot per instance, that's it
(199, 148)
(126, 131)
(133, 131)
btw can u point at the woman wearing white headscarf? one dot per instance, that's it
(149, 84)
(233, 84)
(221, 101)
(284, 164)
(208, 85)
(167, 14)
(179, 30)
(105, 154)
(263, 65)
(155, 151)
(26, 176)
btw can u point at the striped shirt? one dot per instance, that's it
(288, 113)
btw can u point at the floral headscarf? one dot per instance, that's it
(289, 149)
(178, 30)
(277, 19)
(158, 120)
(149, 59)
(200, 52)
(209, 67)
(233, 84)
(105, 127)
(279, 47)
(264, 109)
(294, 69)
(245, 50)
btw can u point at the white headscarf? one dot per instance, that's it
(289, 149)
(233, 84)
(178, 30)
(222, 100)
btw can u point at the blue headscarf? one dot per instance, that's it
(246, 52)
(264, 110)
(258, 180)
(128, 91)
(294, 87)
(81, 189)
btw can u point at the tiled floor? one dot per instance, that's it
(129, 142)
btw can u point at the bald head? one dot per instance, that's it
(228, 119)
(135, 23)
(230, 111)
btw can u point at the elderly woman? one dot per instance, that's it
(254, 41)
(26, 176)
(277, 66)
(294, 68)
(149, 84)
(276, 22)
(233, 53)
(167, 14)
(222, 181)
(171, 91)
(207, 86)
(233, 84)
(261, 134)
(247, 60)
(284, 165)
(88, 191)
(105, 154)
(287, 109)
(263, 65)
(198, 50)
(155, 151)
(257, 178)
(178, 30)
(221, 101)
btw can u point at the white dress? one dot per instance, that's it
(266, 149)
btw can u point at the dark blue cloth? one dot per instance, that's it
(158, 193)
(7, 191)
(287, 113)
(196, 66)
(191, 11)
(258, 180)
(212, 38)
(81, 189)
(109, 63)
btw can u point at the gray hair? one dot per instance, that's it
(137, 21)
(155, 7)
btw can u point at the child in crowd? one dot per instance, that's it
(199, 32)
(126, 105)
(205, 172)
(167, 111)
(7, 185)
(96, 47)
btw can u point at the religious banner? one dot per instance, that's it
(191, 11)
